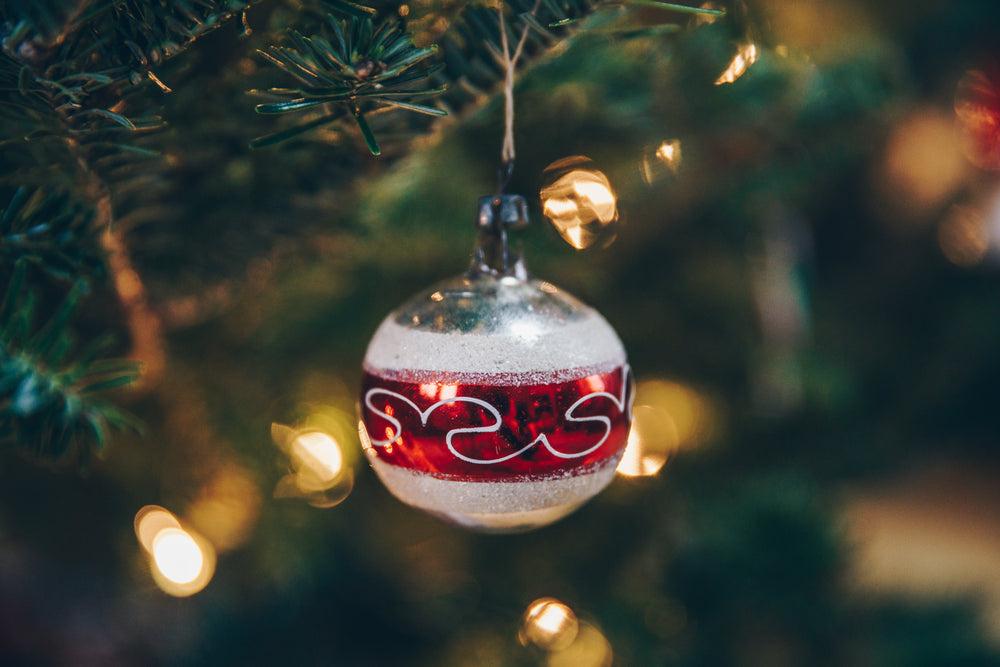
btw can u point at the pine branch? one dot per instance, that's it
(355, 67)
(121, 39)
(52, 231)
(67, 68)
(49, 404)
(352, 68)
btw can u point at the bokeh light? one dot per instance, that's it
(149, 521)
(580, 202)
(921, 168)
(651, 441)
(181, 561)
(548, 624)
(318, 460)
(746, 55)
(667, 417)
(662, 161)
(322, 470)
(590, 648)
(177, 556)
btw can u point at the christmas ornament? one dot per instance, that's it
(977, 107)
(494, 400)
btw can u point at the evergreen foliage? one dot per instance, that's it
(50, 405)
(363, 64)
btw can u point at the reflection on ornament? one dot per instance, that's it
(394, 431)
(493, 400)
(548, 624)
(977, 107)
(579, 202)
(182, 562)
(741, 62)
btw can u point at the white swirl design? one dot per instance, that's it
(394, 435)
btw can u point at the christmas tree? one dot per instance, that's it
(208, 207)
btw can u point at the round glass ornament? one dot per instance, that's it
(493, 400)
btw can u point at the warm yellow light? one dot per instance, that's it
(149, 521)
(669, 153)
(322, 471)
(181, 561)
(177, 556)
(549, 624)
(662, 161)
(597, 192)
(580, 203)
(590, 648)
(366, 440)
(318, 457)
(691, 414)
(741, 62)
(923, 165)
(651, 441)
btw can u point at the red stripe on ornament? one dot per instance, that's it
(477, 430)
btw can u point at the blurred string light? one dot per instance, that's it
(579, 201)
(590, 649)
(651, 441)
(552, 626)
(667, 417)
(322, 463)
(746, 55)
(663, 160)
(922, 167)
(548, 624)
(182, 562)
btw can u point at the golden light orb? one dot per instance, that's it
(548, 624)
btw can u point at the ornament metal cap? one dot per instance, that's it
(509, 211)
(493, 255)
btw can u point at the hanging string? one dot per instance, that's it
(507, 152)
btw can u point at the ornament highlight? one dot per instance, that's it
(493, 400)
